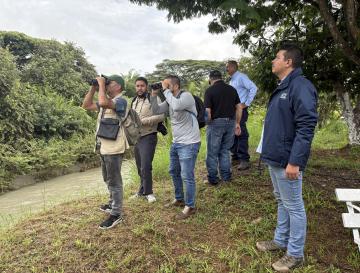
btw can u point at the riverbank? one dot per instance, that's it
(43, 196)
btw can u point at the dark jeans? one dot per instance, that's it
(240, 149)
(144, 155)
(219, 138)
(111, 171)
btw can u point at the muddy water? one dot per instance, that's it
(42, 196)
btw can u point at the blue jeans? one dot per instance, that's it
(220, 138)
(182, 165)
(290, 231)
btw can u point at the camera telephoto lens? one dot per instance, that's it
(93, 82)
(156, 86)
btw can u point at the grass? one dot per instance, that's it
(219, 238)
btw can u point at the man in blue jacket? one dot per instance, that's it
(285, 146)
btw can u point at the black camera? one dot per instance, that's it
(156, 86)
(162, 128)
(94, 82)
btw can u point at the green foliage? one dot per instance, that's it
(56, 117)
(40, 157)
(8, 73)
(42, 82)
(187, 70)
(62, 68)
(17, 116)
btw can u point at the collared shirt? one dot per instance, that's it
(245, 88)
(259, 147)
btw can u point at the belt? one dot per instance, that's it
(223, 119)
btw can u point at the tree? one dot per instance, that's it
(39, 82)
(187, 70)
(62, 68)
(328, 30)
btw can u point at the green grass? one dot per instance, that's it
(219, 238)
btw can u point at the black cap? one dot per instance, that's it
(215, 74)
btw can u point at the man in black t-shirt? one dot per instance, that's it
(224, 111)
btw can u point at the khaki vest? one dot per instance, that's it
(149, 121)
(110, 147)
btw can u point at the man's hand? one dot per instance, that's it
(237, 129)
(101, 81)
(165, 84)
(243, 105)
(292, 172)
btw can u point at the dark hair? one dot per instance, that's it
(293, 52)
(142, 79)
(233, 63)
(174, 79)
(215, 75)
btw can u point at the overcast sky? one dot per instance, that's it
(115, 34)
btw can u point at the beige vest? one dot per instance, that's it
(110, 147)
(149, 121)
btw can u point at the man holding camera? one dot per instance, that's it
(145, 147)
(111, 106)
(186, 141)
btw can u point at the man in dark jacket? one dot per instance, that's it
(285, 146)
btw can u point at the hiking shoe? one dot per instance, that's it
(135, 196)
(208, 183)
(286, 263)
(268, 246)
(105, 208)
(187, 212)
(244, 165)
(175, 203)
(112, 221)
(151, 198)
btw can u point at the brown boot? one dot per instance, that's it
(187, 212)
(175, 203)
(287, 263)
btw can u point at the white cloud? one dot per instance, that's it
(117, 35)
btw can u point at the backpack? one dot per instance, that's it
(132, 125)
(200, 109)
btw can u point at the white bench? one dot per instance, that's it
(352, 218)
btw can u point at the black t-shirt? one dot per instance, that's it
(222, 99)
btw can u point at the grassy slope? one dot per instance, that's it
(220, 238)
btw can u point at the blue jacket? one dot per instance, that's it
(290, 122)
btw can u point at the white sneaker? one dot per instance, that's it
(151, 198)
(135, 196)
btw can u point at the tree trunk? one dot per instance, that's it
(351, 114)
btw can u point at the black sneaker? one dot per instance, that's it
(112, 221)
(105, 208)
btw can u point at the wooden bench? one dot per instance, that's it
(352, 218)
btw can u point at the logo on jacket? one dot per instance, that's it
(283, 96)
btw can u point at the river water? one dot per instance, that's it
(44, 195)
